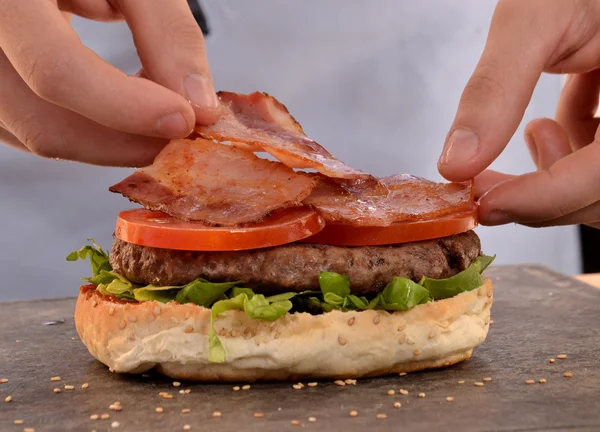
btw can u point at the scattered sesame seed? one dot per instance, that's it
(176, 384)
(69, 387)
(236, 388)
(402, 374)
(246, 387)
(353, 413)
(391, 392)
(381, 416)
(339, 383)
(186, 411)
(487, 379)
(159, 409)
(342, 340)
(117, 403)
(312, 384)
(478, 384)
(104, 416)
(115, 407)
(181, 391)
(297, 387)
(56, 390)
(8, 399)
(55, 378)
(115, 424)
(189, 329)
(417, 352)
(403, 392)
(84, 385)
(216, 414)
(312, 419)
(450, 399)
(350, 381)
(461, 382)
(122, 324)
(491, 322)
(157, 310)
(376, 319)
(561, 356)
(3, 380)
(94, 417)
(29, 430)
(542, 381)
(529, 381)
(187, 427)
(111, 311)
(295, 423)
(19, 422)
(551, 360)
(259, 415)
(167, 396)
(18, 340)
(421, 395)
(351, 321)
(397, 404)
(568, 374)
(187, 391)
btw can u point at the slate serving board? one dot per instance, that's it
(537, 315)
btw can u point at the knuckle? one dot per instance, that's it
(183, 32)
(32, 136)
(483, 86)
(47, 74)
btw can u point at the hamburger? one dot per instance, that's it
(242, 268)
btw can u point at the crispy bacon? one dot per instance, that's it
(259, 122)
(214, 183)
(393, 199)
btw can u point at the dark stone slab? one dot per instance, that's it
(537, 315)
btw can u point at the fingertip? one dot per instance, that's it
(207, 116)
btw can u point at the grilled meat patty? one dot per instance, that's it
(296, 266)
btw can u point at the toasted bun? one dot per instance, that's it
(173, 338)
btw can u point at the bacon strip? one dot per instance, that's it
(214, 183)
(393, 199)
(258, 122)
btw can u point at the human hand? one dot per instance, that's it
(58, 99)
(527, 38)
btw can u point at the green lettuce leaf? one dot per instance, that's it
(256, 306)
(216, 351)
(203, 292)
(98, 259)
(402, 294)
(467, 280)
(154, 293)
(111, 283)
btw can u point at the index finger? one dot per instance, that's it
(570, 184)
(495, 98)
(51, 59)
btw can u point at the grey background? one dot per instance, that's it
(376, 82)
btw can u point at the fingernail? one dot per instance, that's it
(499, 217)
(461, 147)
(533, 150)
(200, 91)
(172, 126)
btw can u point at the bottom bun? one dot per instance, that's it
(173, 339)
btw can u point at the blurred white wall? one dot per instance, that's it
(377, 83)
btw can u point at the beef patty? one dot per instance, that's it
(296, 266)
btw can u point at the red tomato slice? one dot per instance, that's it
(155, 229)
(402, 232)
